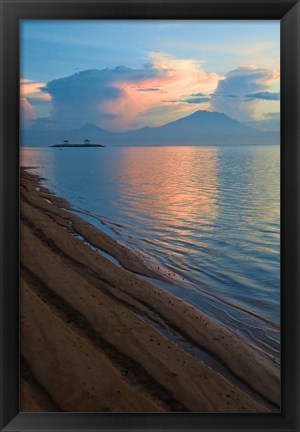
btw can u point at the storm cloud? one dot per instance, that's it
(83, 97)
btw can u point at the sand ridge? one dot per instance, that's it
(86, 320)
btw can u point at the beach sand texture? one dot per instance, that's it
(94, 336)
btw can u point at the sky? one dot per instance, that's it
(124, 75)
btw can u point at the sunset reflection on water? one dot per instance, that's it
(176, 188)
(208, 216)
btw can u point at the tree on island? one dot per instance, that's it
(66, 142)
(86, 141)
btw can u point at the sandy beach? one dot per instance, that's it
(95, 337)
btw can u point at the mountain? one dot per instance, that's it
(46, 138)
(200, 128)
(205, 128)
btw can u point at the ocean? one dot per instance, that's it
(206, 217)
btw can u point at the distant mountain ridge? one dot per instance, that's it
(200, 128)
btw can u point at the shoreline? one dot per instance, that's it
(98, 329)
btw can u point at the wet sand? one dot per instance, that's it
(95, 336)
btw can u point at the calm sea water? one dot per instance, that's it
(208, 217)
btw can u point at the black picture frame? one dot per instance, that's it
(288, 11)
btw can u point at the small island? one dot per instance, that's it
(86, 143)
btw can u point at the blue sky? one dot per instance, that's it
(170, 69)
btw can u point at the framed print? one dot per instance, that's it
(149, 215)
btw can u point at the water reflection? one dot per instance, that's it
(208, 215)
(176, 187)
(40, 161)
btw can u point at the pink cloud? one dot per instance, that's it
(272, 77)
(33, 89)
(175, 79)
(27, 113)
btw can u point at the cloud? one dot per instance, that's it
(33, 89)
(148, 89)
(234, 95)
(199, 94)
(165, 89)
(270, 122)
(247, 79)
(176, 78)
(27, 113)
(120, 98)
(263, 96)
(231, 96)
(198, 100)
(34, 101)
(38, 101)
(86, 96)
